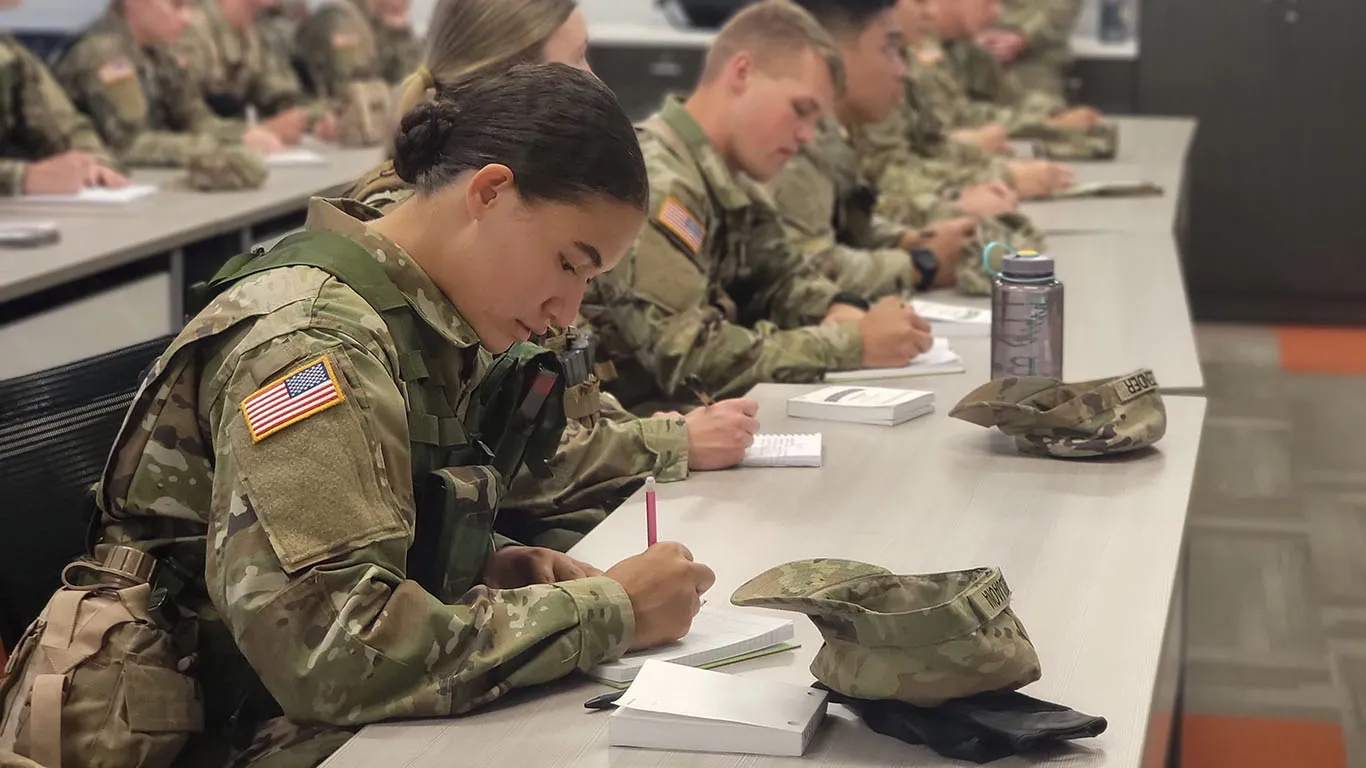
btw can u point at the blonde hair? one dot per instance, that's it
(467, 38)
(771, 31)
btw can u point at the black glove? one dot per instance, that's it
(981, 728)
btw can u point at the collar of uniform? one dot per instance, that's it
(348, 217)
(714, 170)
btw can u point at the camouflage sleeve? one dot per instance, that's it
(1041, 22)
(184, 100)
(805, 198)
(276, 87)
(657, 299)
(333, 49)
(400, 54)
(12, 177)
(308, 540)
(52, 123)
(600, 462)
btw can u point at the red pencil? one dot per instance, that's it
(651, 531)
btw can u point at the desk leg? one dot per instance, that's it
(178, 288)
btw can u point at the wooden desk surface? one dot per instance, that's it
(96, 238)
(1090, 550)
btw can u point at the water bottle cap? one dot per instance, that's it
(1027, 265)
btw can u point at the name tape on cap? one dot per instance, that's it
(1133, 386)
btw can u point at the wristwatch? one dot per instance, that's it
(852, 299)
(927, 264)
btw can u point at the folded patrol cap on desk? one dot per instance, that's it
(226, 169)
(921, 639)
(1091, 418)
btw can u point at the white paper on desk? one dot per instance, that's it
(716, 634)
(939, 359)
(949, 320)
(801, 450)
(295, 157)
(1108, 189)
(95, 196)
(681, 708)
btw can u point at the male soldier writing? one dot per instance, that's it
(123, 74)
(237, 71)
(825, 202)
(46, 146)
(712, 288)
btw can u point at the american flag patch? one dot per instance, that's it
(115, 71)
(301, 394)
(679, 221)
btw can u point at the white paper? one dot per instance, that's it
(716, 634)
(295, 157)
(862, 397)
(95, 196)
(934, 312)
(803, 450)
(672, 689)
(939, 359)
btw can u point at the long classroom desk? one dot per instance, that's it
(118, 276)
(1091, 550)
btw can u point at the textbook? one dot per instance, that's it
(718, 636)
(939, 359)
(862, 405)
(680, 708)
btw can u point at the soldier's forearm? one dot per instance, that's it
(12, 177)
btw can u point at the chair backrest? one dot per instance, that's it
(56, 427)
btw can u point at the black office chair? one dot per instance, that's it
(56, 427)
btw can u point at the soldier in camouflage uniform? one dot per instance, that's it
(227, 55)
(122, 74)
(1032, 38)
(712, 287)
(46, 146)
(345, 41)
(605, 451)
(302, 518)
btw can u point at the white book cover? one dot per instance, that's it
(865, 405)
(950, 320)
(801, 450)
(717, 634)
(296, 156)
(681, 708)
(939, 359)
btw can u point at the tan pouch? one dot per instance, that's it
(364, 119)
(95, 681)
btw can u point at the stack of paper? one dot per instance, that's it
(680, 708)
(718, 636)
(784, 451)
(96, 195)
(948, 320)
(862, 405)
(939, 359)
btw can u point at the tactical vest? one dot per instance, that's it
(514, 417)
(108, 670)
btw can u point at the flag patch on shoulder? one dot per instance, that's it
(681, 222)
(115, 71)
(304, 392)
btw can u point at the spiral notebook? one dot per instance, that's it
(784, 451)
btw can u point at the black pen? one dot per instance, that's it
(604, 701)
(694, 382)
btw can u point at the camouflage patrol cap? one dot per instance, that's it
(1100, 142)
(226, 169)
(921, 639)
(1092, 418)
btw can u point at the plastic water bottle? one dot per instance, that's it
(1026, 318)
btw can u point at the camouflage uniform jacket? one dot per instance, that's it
(712, 286)
(1046, 26)
(235, 68)
(305, 532)
(826, 205)
(341, 43)
(990, 91)
(139, 98)
(601, 456)
(37, 120)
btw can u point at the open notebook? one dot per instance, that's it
(718, 636)
(784, 451)
(680, 708)
(939, 359)
(951, 320)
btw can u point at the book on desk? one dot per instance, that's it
(862, 405)
(718, 636)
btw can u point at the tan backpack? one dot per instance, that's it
(96, 680)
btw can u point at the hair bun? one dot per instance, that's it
(421, 137)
